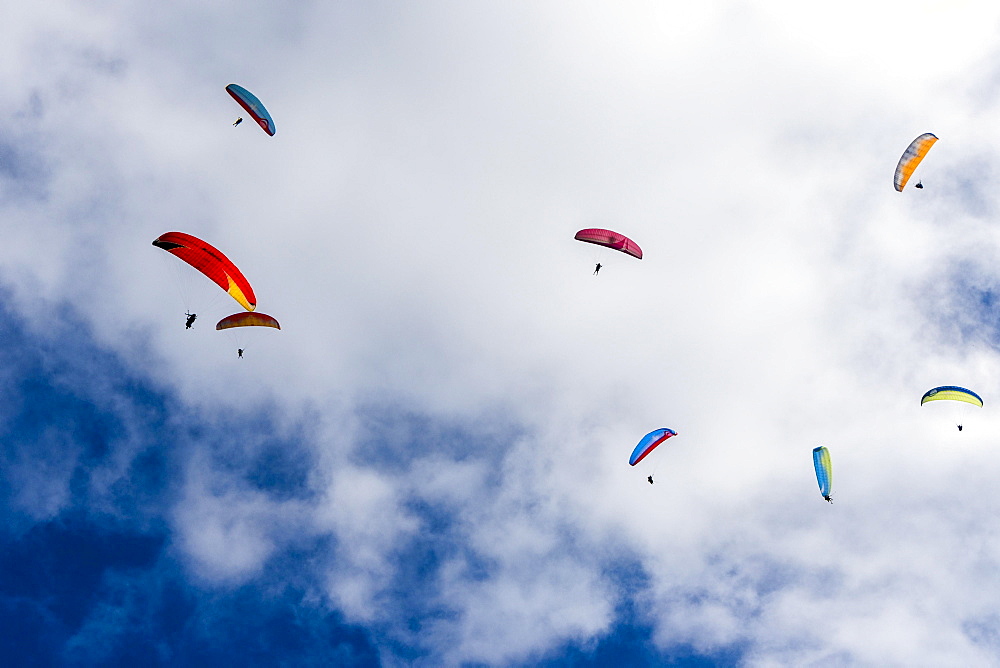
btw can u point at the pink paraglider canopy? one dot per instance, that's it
(611, 240)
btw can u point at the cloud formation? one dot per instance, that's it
(428, 463)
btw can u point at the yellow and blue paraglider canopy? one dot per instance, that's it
(952, 393)
(824, 470)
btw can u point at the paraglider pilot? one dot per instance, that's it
(238, 121)
(191, 317)
(920, 185)
(828, 498)
(960, 427)
(597, 269)
(239, 352)
(650, 479)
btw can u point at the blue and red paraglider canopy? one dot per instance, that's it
(253, 106)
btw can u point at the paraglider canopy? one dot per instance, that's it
(952, 393)
(911, 157)
(210, 261)
(824, 471)
(253, 106)
(610, 239)
(247, 320)
(649, 443)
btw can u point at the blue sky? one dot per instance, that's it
(427, 465)
(91, 573)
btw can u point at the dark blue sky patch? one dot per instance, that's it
(282, 470)
(30, 633)
(62, 563)
(249, 628)
(148, 481)
(154, 619)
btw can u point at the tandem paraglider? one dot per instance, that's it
(211, 262)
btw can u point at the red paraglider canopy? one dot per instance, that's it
(210, 261)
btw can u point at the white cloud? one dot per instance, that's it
(411, 227)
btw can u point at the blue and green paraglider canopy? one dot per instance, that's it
(824, 471)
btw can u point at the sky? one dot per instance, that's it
(428, 464)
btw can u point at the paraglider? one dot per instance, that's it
(649, 443)
(253, 106)
(210, 261)
(610, 239)
(952, 393)
(824, 471)
(911, 157)
(238, 320)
